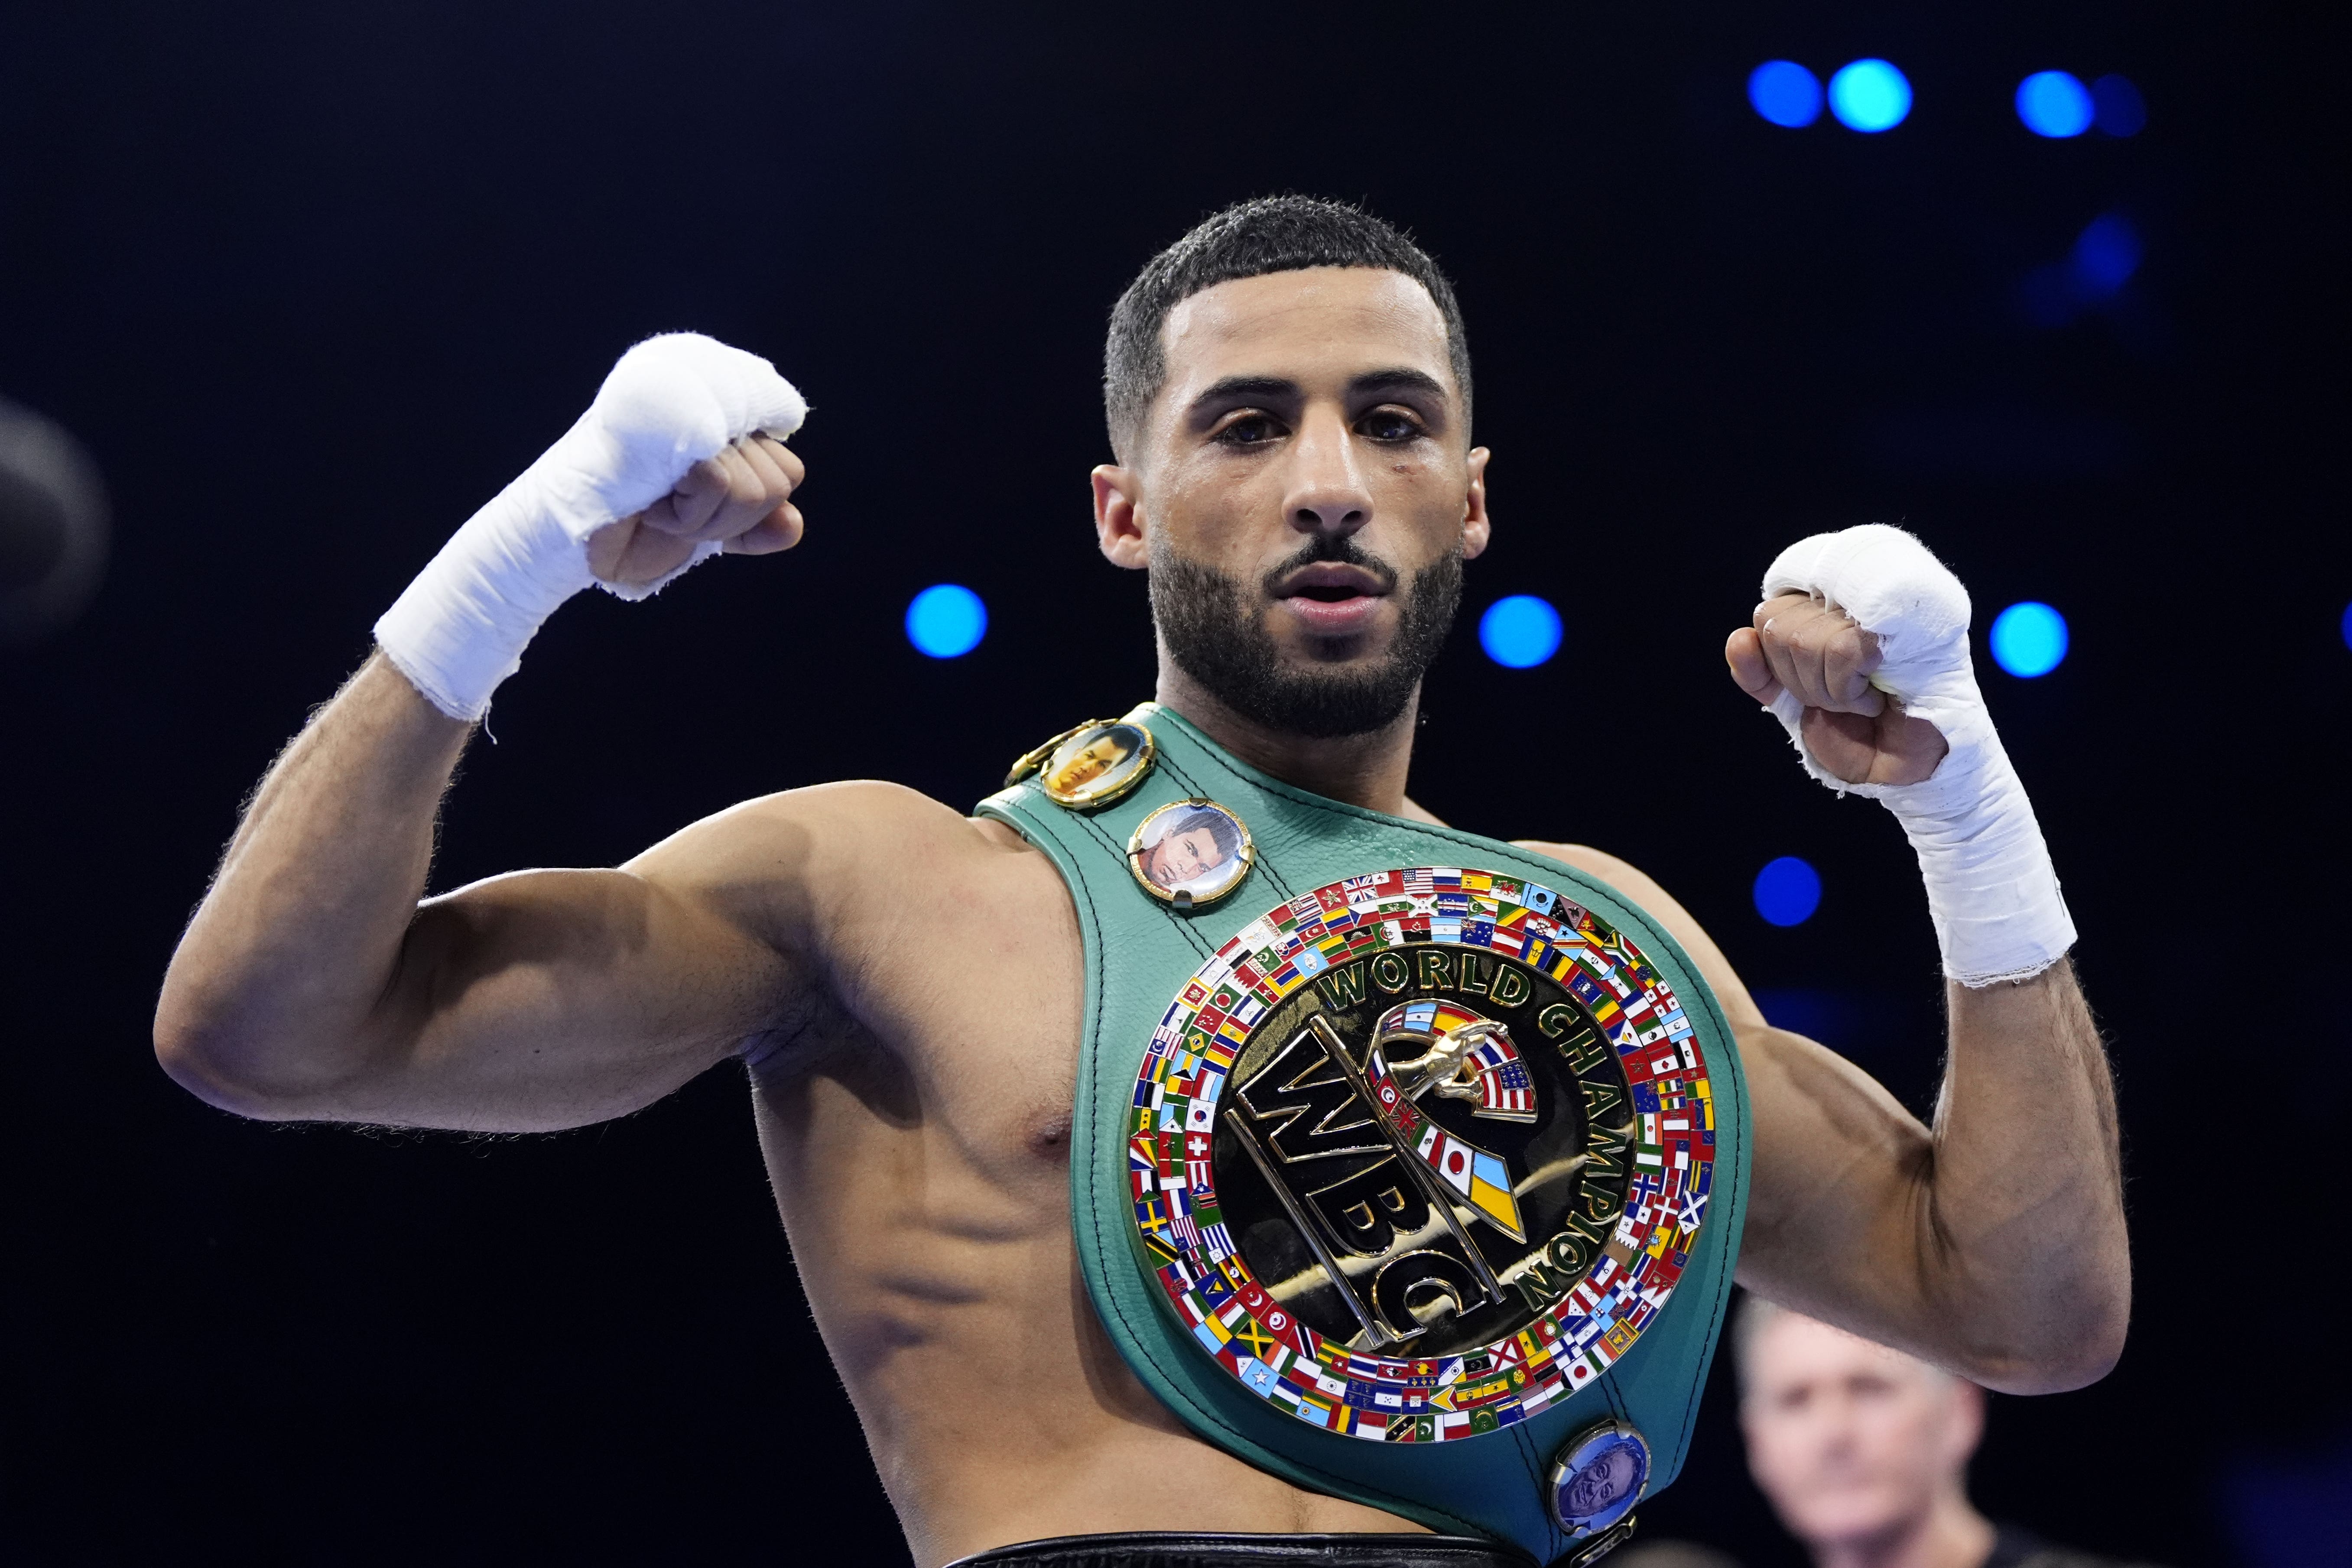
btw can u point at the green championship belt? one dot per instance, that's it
(1406, 1165)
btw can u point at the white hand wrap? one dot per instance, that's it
(671, 401)
(1991, 890)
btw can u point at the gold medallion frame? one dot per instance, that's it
(1182, 897)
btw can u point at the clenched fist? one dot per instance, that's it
(740, 497)
(1803, 648)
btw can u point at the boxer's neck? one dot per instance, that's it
(1367, 770)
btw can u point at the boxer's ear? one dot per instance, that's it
(1478, 528)
(1118, 517)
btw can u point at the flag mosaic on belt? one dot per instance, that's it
(1179, 1230)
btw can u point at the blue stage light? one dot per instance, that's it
(2029, 639)
(1870, 95)
(1519, 632)
(946, 621)
(2117, 107)
(2106, 255)
(1785, 93)
(2346, 626)
(2054, 104)
(1788, 891)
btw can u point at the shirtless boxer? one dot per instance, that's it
(1289, 402)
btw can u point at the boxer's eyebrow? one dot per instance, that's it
(1401, 378)
(1231, 390)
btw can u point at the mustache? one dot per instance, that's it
(1331, 547)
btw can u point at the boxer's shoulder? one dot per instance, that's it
(1617, 873)
(1641, 889)
(827, 842)
(828, 867)
(1623, 878)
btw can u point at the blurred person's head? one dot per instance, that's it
(1861, 1451)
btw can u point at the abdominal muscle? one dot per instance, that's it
(932, 1236)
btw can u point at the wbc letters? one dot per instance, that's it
(1356, 1148)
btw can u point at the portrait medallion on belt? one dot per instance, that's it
(1092, 765)
(1191, 853)
(1421, 1153)
(1598, 1478)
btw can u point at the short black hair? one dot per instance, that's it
(1249, 239)
(1221, 827)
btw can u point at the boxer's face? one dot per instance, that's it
(1851, 1441)
(1304, 493)
(1182, 856)
(1092, 761)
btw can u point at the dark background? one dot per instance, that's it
(312, 282)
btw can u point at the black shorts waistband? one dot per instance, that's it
(1180, 1549)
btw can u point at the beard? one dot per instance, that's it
(1210, 625)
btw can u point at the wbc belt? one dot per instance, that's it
(1406, 1165)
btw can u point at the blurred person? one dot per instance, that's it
(989, 1066)
(1671, 1555)
(1864, 1451)
(53, 525)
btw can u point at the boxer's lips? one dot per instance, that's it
(1333, 599)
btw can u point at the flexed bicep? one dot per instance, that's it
(313, 984)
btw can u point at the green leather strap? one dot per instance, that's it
(1140, 953)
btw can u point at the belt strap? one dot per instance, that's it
(1140, 953)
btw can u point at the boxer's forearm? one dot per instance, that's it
(278, 985)
(1992, 1244)
(2021, 1239)
(311, 984)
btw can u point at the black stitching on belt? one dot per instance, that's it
(1192, 786)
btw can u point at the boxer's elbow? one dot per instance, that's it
(2071, 1342)
(213, 1065)
(2088, 1362)
(2090, 1341)
(2084, 1360)
(229, 1058)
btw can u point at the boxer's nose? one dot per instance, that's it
(1327, 494)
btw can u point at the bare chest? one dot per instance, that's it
(953, 1034)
